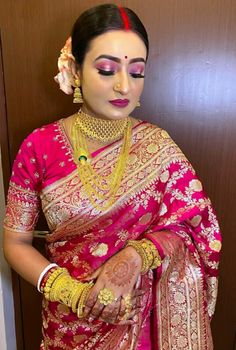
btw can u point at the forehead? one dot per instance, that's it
(117, 43)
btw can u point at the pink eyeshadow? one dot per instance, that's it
(106, 66)
(137, 68)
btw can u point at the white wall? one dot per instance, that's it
(7, 321)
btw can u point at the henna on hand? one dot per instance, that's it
(121, 270)
(110, 312)
(119, 274)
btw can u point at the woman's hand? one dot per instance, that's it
(119, 275)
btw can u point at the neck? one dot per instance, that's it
(104, 130)
(87, 111)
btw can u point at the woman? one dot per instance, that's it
(134, 244)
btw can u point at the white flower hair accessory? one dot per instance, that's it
(67, 69)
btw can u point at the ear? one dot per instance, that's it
(78, 73)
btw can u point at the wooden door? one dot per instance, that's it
(190, 91)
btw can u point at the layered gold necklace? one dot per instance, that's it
(101, 190)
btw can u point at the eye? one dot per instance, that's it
(137, 75)
(106, 72)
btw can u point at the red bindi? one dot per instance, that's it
(126, 57)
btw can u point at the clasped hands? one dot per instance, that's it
(111, 294)
(113, 298)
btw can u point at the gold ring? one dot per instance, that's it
(106, 296)
(127, 301)
(128, 306)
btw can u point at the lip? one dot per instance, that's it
(120, 103)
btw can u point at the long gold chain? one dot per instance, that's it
(100, 129)
(100, 189)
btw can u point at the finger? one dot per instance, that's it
(91, 300)
(111, 312)
(128, 306)
(126, 323)
(134, 312)
(122, 309)
(128, 302)
(96, 311)
(138, 292)
(129, 316)
(136, 302)
(89, 306)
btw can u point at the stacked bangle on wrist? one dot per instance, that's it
(43, 276)
(149, 254)
(61, 287)
(48, 288)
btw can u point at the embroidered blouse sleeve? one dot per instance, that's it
(23, 195)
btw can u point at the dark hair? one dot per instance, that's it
(100, 19)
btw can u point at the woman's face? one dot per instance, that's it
(112, 74)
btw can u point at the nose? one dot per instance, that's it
(123, 83)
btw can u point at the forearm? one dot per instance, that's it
(154, 247)
(166, 242)
(23, 257)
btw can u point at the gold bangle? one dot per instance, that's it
(51, 279)
(139, 249)
(77, 292)
(150, 256)
(61, 287)
(152, 250)
(148, 251)
(83, 298)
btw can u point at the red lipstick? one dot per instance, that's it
(121, 103)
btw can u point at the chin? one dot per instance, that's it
(121, 113)
(109, 112)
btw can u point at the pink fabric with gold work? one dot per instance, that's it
(159, 198)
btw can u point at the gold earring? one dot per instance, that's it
(78, 98)
(138, 104)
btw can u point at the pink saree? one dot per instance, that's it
(160, 198)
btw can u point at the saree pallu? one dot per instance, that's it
(160, 198)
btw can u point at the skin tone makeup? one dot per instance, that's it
(112, 75)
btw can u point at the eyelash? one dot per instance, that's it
(135, 75)
(105, 72)
(110, 72)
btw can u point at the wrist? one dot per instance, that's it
(148, 252)
(43, 276)
(61, 287)
(132, 252)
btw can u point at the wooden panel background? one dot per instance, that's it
(190, 90)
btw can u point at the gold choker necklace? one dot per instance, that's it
(101, 190)
(100, 129)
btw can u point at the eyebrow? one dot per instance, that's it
(118, 60)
